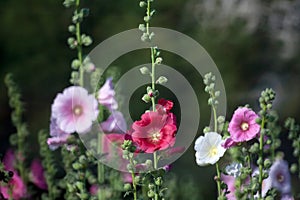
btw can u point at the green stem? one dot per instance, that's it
(261, 151)
(218, 179)
(133, 181)
(249, 165)
(100, 166)
(79, 47)
(217, 165)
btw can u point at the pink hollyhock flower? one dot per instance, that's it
(106, 95)
(155, 131)
(37, 174)
(243, 126)
(58, 138)
(230, 182)
(164, 105)
(75, 110)
(114, 124)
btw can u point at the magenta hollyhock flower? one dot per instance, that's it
(243, 126)
(16, 183)
(75, 110)
(9, 160)
(58, 138)
(17, 186)
(229, 143)
(155, 131)
(37, 175)
(115, 123)
(106, 95)
(94, 190)
(280, 176)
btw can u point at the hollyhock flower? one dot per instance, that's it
(155, 131)
(229, 143)
(114, 124)
(75, 110)
(234, 169)
(16, 183)
(106, 95)
(58, 138)
(164, 105)
(94, 190)
(243, 126)
(287, 197)
(230, 182)
(280, 176)
(18, 188)
(209, 149)
(37, 174)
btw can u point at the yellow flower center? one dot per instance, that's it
(244, 126)
(77, 110)
(213, 151)
(155, 136)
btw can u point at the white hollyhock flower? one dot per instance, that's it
(209, 149)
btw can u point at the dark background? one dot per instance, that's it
(255, 45)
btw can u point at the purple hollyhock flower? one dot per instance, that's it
(75, 110)
(280, 176)
(58, 138)
(106, 95)
(115, 123)
(37, 175)
(243, 126)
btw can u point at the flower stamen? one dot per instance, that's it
(77, 110)
(244, 126)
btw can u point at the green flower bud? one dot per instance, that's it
(267, 163)
(158, 60)
(151, 194)
(146, 98)
(294, 168)
(86, 40)
(75, 64)
(142, 4)
(79, 185)
(142, 27)
(145, 37)
(206, 129)
(161, 80)
(146, 19)
(72, 29)
(158, 181)
(127, 187)
(144, 70)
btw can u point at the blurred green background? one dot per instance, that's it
(255, 45)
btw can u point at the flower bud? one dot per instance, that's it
(146, 98)
(162, 80)
(144, 70)
(142, 4)
(75, 64)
